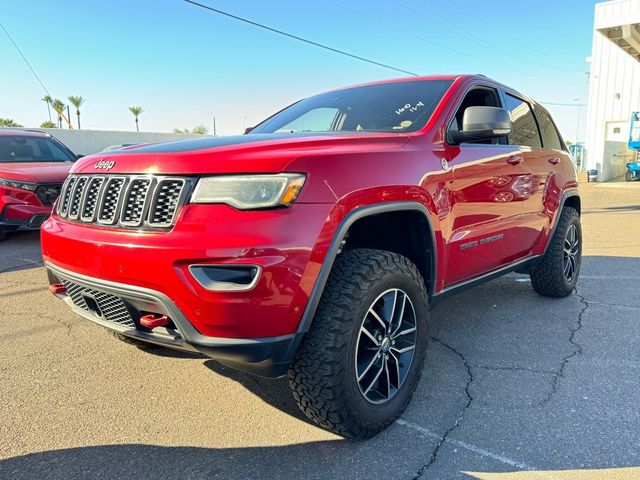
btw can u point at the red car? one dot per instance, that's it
(317, 244)
(33, 166)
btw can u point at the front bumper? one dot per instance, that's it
(281, 243)
(23, 217)
(256, 329)
(269, 357)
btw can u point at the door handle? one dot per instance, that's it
(514, 160)
(554, 160)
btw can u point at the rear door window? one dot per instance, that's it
(524, 128)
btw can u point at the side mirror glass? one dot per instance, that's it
(481, 123)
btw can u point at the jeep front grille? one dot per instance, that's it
(125, 201)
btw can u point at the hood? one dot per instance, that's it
(36, 172)
(253, 153)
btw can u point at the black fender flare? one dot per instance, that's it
(336, 243)
(569, 193)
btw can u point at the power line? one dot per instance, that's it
(441, 46)
(510, 37)
(399, 30)
(495, 48)
(25, 59)
(295, 37)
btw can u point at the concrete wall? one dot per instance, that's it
(614, 88)
(86, 142)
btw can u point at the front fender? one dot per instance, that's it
(345, 213)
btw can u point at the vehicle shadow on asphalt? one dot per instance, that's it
(274, 391)
(159, 351)
(623, 208)
(313, 459)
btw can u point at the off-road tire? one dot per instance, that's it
(548, 278)
(323, 373)
(3, 236)
(629, 177)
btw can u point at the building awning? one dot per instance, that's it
(627, 37)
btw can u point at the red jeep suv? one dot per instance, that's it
(317, 243)
(33, 166)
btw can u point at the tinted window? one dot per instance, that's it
(20, 148)
(550, 136)
(398, 107)
(524, 128)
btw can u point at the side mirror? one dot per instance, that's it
(248, 129)
(481, 123)
(79, 156)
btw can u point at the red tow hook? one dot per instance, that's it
(152, 321)
(58, 288)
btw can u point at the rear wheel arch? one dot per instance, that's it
(572, 200)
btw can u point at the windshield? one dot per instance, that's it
(398, 107)
(20, 148)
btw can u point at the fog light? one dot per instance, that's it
(226, 278)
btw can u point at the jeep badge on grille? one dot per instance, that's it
(105, 165)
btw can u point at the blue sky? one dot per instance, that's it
(185, 65)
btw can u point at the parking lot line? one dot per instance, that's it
(467, 446)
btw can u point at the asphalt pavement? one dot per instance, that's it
(515, 386)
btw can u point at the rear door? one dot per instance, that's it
(483, 231)
(554, 163)
(531, 187)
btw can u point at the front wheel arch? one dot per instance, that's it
(337, 246)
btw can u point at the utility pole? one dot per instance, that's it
(214, 127)
(578, 150)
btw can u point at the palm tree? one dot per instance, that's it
(77, 102)
(8, 122)
(48, 124)
(136, 113)
(58, 106)
(47, 99)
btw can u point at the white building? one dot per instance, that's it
(614, 89)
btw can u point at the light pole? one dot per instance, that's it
(578, 149)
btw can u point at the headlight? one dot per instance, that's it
(247, 192)
(14, 184)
